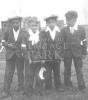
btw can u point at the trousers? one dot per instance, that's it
(11, 64)
(78, 64)
(55, 67)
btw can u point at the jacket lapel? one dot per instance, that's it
(56, 35)
(19, 35)
(48, 35)
(12, 35)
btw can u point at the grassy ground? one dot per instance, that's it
(52, 95)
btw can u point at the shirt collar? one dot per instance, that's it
(55, 29)
(16, 31)
(75, 27)
(31, 32)
(53, 33)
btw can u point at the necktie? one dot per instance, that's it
(72, 30)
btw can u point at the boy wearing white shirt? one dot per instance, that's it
(12, 42)
(52, 37)
(31, 42)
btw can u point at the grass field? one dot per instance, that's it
(54, 95)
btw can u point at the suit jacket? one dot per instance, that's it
(74, 44)
(52, 48)
(12, 46)
(32, 52)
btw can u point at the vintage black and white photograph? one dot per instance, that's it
(43, 50)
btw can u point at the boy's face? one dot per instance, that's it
(16, 25)
(71, 22)
(34, 27)
(51, 24)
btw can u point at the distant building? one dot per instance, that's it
(4, 25)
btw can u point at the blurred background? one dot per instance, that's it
(43, 8)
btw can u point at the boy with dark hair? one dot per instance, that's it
(74, 49)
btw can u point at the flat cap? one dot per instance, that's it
(15, 19)
(52, 17)
(71, 15)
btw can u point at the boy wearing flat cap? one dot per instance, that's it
(31, 45)
(52, 39)
(74, 49)
(12, 42)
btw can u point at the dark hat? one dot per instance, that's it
(15, 20)
(52, 17)
(71, 15)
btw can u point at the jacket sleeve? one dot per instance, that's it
(24, 39)
(4, 41)
(62, 42)
(24, 44)
(83, 41)
(43, 44)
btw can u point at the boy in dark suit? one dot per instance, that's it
(12, 42)
(53, 48)
(74, 49)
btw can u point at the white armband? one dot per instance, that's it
(2, 42)
(23, 45)
(83, 41)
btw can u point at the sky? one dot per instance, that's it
(43, 8)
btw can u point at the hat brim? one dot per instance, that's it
(51, 18)
(15, 20)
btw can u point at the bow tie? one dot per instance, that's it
(34, 37)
